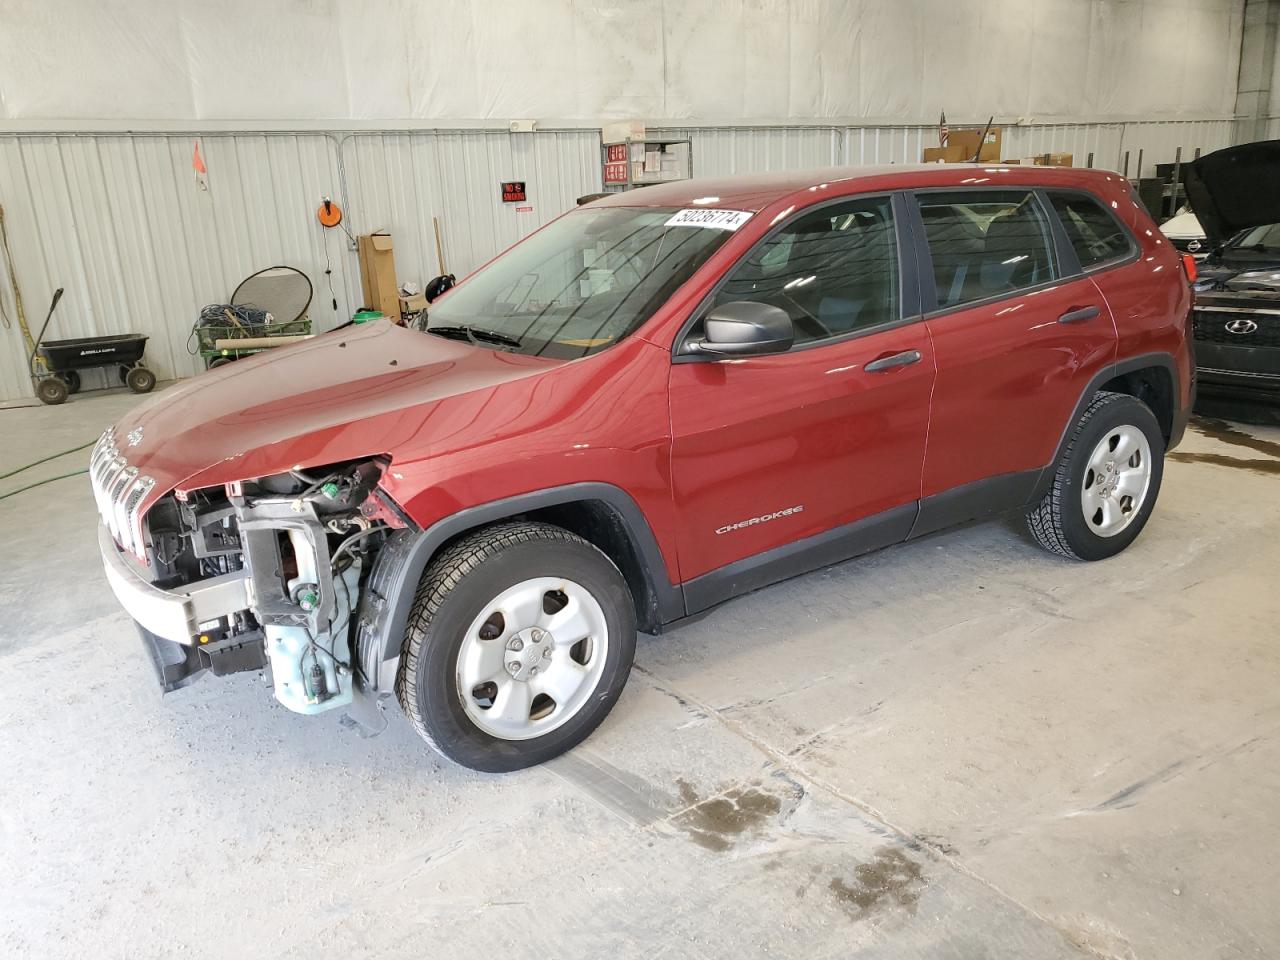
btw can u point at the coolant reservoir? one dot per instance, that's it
(297, 663)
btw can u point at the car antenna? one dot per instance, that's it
(983, 139)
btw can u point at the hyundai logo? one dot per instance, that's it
(1241, 326)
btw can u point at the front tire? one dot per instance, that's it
(1106, 483)
(520, 641)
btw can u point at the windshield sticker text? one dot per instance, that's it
(715, 219)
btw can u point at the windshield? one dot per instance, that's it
(1265, 239)
(579, 285)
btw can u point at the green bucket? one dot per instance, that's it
(364, 316)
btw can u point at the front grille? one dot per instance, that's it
(1210, 325)
(1192, 245)
(118, 489)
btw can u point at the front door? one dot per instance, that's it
(802, 445)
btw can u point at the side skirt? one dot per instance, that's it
(975, 501)
(802, 556)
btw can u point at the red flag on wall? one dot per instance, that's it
(201, 171)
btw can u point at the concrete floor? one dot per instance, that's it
(959, 748)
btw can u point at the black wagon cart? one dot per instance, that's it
(56, 364)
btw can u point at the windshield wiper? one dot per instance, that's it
(475, 335)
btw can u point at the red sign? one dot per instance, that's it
(615, 172)
(616, 152)
(513, 191)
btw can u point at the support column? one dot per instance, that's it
(1258, 86)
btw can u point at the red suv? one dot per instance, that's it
(661, 400)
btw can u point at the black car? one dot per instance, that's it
(1235, 193)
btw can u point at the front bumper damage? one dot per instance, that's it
(296, 644)
(169, 620)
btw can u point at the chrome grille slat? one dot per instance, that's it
(118, 491)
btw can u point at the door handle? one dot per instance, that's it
(1078, 314)
(892, 361)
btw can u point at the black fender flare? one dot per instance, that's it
(1110, 372)
(388, 597)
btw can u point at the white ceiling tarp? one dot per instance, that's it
(679, 60)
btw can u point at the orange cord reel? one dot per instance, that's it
(329, 214)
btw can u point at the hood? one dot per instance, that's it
(343, 395)
(1184, 226)
(1235, 188)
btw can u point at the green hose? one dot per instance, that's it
(74, 473)
(52, 456)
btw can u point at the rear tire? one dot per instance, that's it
(487, 611)
(73, 380)
(140, 380)
(52, 390)
(1106, 483)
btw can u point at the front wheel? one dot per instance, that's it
(519, 644)
(1106, 484)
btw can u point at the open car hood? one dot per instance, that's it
(1235, 188)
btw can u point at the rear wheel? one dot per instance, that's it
(140, 380)
(1106, 484)
(52, 390)
(219, 362)
(73, 380)
(520, 642)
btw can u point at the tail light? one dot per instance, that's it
(1189, 267)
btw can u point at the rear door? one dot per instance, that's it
(770, 450)
(1018, 332)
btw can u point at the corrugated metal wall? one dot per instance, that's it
(120, 222)
(725, 150)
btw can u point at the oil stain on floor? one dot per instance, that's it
(891, 879)
(1224, 432)
(718, 822)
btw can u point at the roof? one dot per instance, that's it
(755, 191)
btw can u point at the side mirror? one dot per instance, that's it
(743, 328)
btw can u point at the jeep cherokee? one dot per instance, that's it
(661, 400)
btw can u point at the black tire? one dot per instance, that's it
(219, 362)
(140, 380)
(73, 380)
(455, 588)
(52, 390)
(1058, 522)
(123, 371)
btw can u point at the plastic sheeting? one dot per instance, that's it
(662, 60)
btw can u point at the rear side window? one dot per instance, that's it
(834, 271)
(1095, 235)
(985, 244)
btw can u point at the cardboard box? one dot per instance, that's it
(378, 274)
(622, 130)
(968, 137)
(951, 153)
(1052, 160)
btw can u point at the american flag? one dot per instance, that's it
(943, 132)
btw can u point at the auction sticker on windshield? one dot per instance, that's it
(715, 219)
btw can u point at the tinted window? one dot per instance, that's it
(1094, 234)
(833, 271)
(985, 243)
(581, 284)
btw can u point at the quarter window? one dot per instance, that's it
(1095, 235)
(985, 244)
(834, 271)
